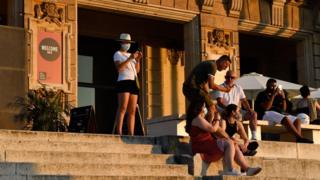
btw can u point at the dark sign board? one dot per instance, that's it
(82, 120)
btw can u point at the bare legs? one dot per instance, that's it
(294, 128)
(126, 103)
(253, 122)
(233, 153)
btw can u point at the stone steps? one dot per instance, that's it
(74, 137)
(106, 147)
(66, 177)
(85, 169)
(250, 178)
(266, 149)
(29, 155)
(288, 150)
(87, 157)
(271, 167)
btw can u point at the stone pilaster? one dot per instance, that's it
(141, 1)
(207, 6)
(277, 12)
(235, 7)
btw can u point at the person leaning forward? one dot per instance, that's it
(201, 80)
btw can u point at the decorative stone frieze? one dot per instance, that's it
(219, 38)
(207, 5)
(235, 7)
(49, 12)
(174, 56)
(277, 12)
(141, 1)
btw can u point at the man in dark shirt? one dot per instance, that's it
(271, 104)
(201, 79)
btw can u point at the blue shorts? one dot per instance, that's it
(127, 86)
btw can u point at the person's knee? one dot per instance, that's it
(255, 115)
(297, 121)
(229, 143)
(285, 120)
(122, 109)
(131, 111)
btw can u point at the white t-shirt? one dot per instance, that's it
(129, 72)
(232, 97)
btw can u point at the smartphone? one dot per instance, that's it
(280, 87)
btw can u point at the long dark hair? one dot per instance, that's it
(194, 109)
(230, 108)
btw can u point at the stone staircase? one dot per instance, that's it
(29, 155)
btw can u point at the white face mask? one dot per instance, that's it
(125, 47)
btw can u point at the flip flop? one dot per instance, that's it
(253, 145)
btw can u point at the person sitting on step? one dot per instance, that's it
(211, 149)
(231, 124)
(236, 96)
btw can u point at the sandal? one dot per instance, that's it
(253, 145)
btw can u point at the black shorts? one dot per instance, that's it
(127, 86)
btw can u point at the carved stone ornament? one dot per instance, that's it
(219, 38)
(174, 56)
(207, 5)
(235, 7)
(49, 12)
(141, 1)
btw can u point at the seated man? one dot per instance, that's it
(236, 96)
(270, 105)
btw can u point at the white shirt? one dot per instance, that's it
(129, 72)
(233, 96)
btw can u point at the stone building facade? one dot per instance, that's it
(279, 38)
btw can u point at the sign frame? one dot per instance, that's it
(46, 24)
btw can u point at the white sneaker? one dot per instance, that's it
(204, 168)
(233, 172)
(253, 171)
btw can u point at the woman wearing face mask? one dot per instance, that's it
(231, 124)
(128, 65)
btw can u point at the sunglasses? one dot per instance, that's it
(230, 77)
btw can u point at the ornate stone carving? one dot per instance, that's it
(49, 12)
(235, 7)
(174, 56)
(207, 5)
(141, 1)
(277, 12)
(219, 38)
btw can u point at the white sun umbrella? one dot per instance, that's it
(253, 83)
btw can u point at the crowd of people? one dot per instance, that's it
(212, 126)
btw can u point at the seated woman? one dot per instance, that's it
(212, 149)
(308, 106)
(231, 125)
